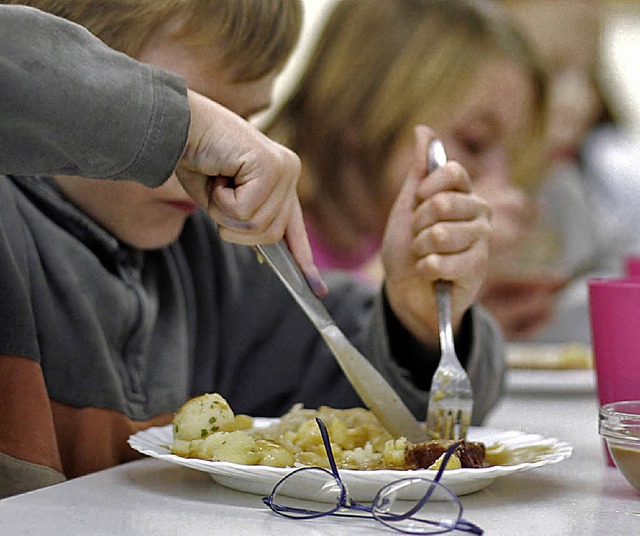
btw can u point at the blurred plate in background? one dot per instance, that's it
(549, 356)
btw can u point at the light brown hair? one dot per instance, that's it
(381, 67)
(255, 37)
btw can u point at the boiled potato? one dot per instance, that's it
(273, 454)
(237, 447)
(181, 448)
(201, 416)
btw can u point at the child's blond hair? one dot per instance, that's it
(255, 37)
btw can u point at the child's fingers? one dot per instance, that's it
(450, 177)
(449, 206)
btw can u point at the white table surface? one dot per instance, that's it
(578, 496)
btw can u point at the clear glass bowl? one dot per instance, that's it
(619, 425)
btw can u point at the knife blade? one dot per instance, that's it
(371, 386)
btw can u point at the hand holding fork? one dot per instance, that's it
(451, 396)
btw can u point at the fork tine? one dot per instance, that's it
(449, 423)
(454, 424)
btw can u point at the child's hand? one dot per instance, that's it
(246, 181)
(437, 229)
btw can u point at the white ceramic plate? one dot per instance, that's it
(363, 485)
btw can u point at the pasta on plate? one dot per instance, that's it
(207, 428)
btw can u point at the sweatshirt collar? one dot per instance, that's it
(48, 196)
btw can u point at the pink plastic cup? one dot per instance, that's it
(632, 266)
(615, 333)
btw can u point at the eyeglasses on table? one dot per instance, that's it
(411, 505)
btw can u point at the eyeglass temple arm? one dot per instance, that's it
(449, 452)
(462, 525)
(425, 498)
(327, 445)
(332, 461)
(466, 526)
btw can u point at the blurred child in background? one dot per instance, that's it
(589, 242)
(378, 69)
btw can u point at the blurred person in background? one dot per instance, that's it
(378, 69)
(579, 236)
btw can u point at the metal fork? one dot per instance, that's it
(451, 396)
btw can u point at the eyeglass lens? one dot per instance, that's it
(307, 492)
(417, 506)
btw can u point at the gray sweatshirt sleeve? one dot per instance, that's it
(484, 361)
(71, 105)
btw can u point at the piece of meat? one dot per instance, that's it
(423, 455)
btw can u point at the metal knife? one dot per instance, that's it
(370, 385)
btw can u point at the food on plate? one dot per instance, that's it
(549, 356)
(501, 455)
(428, 454)
(201, 416)
(206, 427)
